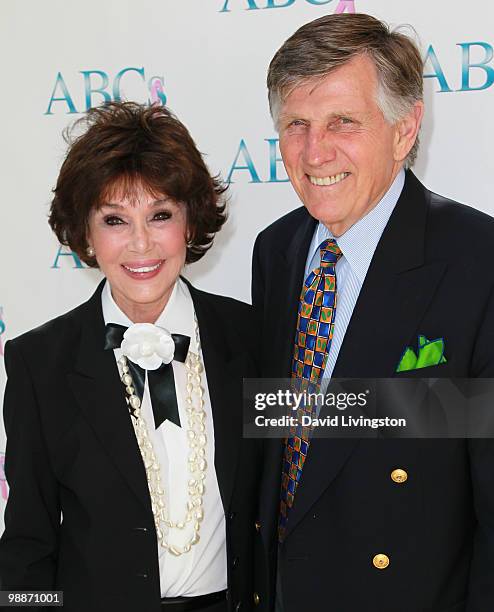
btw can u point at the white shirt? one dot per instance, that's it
(204, 569)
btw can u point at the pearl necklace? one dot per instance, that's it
(196, 437)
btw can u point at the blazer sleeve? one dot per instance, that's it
(481, 587)
(257, 286)
(29, 544)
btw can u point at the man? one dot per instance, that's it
(382, 525)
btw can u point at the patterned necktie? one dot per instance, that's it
(315, 325)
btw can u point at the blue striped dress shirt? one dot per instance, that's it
(357, 244)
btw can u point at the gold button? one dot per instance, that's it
(258, 526)
(399, 476)
(257, 599)
(381, 561)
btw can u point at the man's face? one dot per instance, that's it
(339, 152)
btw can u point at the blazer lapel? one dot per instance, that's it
(223, 371)
(289, 264)
(397, 290)
(101, 396)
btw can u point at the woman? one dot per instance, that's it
(131, 487)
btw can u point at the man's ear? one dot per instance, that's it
(407, 130)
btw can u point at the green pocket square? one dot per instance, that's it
(431, 353)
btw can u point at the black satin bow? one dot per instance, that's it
(161, 381)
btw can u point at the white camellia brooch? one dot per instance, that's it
(148, 345)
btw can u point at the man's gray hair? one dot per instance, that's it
(323, 45)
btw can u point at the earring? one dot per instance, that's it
(90, 251)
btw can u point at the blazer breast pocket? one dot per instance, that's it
(438, 370)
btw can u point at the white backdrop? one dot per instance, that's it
(211, 56)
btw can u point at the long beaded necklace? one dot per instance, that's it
(196, 438)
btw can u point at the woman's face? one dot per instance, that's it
(140, 246)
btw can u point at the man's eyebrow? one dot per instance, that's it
(345, 113)
(289, 116)
(333, 115)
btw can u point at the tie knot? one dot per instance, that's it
(330, 252)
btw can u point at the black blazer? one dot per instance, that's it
(71, 449)
(431, 274)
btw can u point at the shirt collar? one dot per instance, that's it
(359, 242)
(177, 316)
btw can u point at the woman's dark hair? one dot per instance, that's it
(124, 145)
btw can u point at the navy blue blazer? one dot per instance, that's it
(431, 274)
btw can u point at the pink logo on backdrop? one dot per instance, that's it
(157, 92)
(346, 5)
(2, 329)
(3, 481)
